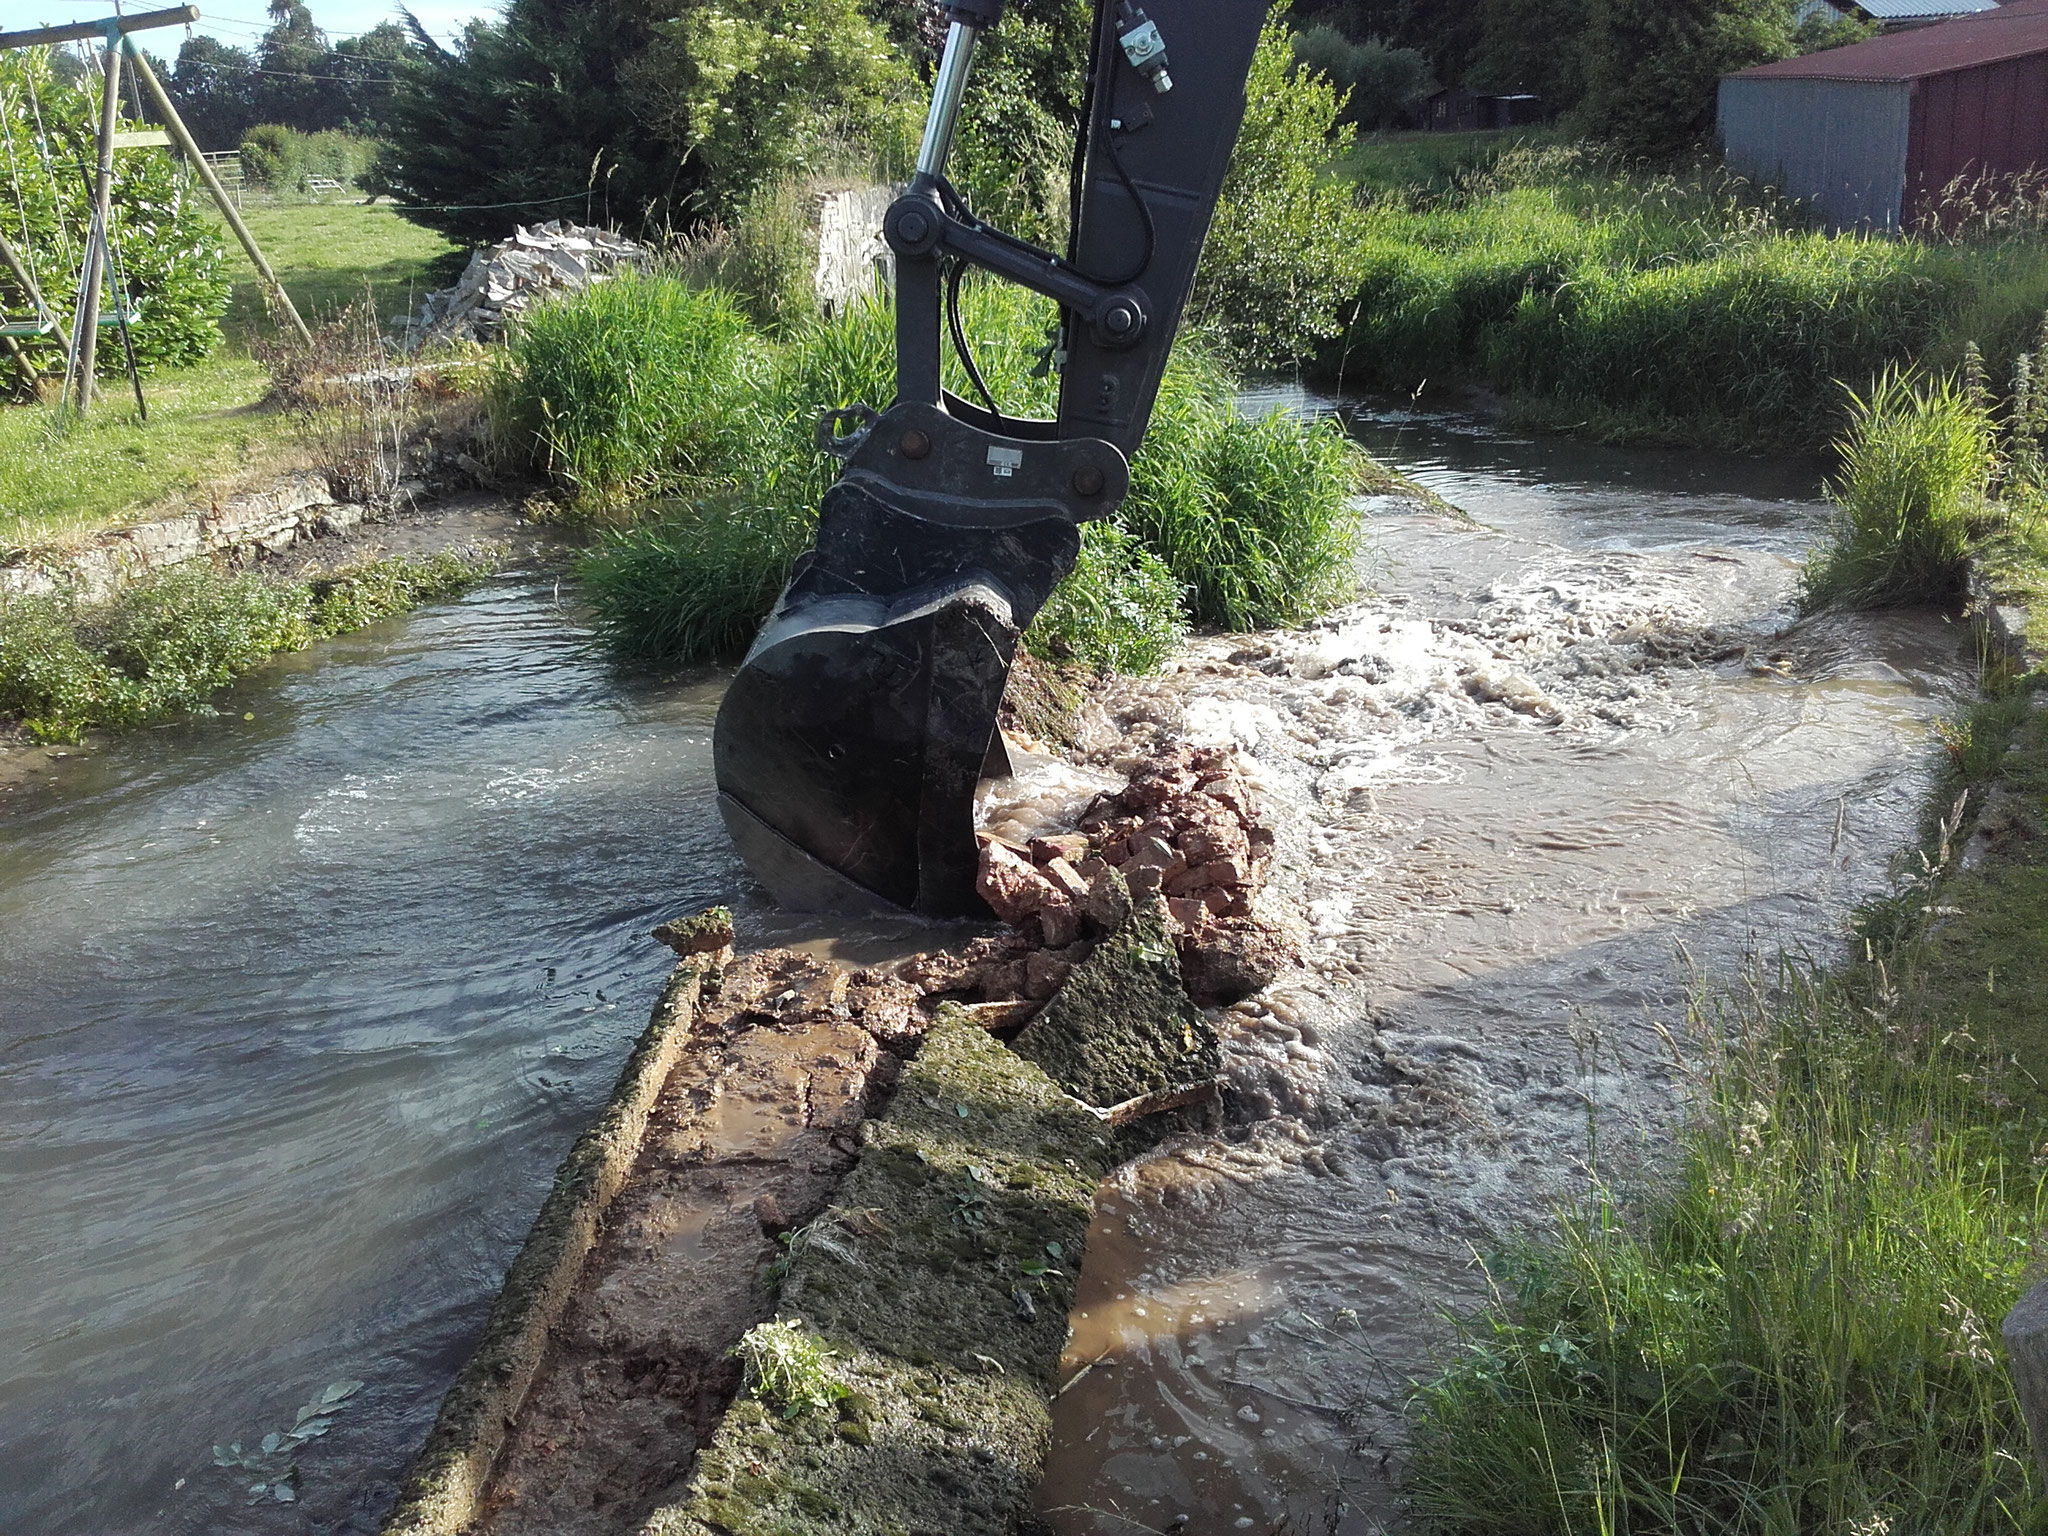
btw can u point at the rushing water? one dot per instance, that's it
(298, 1012)
(1551, 757)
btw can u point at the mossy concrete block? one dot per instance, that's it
(942, 1281)
(444, 1487)
(1122, 1027)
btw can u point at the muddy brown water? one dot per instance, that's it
(299, 1013)
(1557, 761)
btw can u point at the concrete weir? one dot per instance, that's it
(855, 1159)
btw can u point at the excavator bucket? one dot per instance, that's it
(851, 742)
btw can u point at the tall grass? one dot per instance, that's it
(1681, 305)
(1916, 466)
(1801, 1336)
(719, 478)
(1254, 515)
(627, 386)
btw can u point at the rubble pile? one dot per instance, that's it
(538, 262)
(1185, 833)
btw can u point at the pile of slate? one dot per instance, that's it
(539, 262)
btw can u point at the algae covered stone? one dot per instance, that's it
(1122, 1027)
(941, 1284)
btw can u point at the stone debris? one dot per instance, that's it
(540, 261)
(1185, 831)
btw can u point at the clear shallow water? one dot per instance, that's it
(297, 1016)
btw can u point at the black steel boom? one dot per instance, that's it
(850, 743)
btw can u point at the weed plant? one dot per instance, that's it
(1802, 1337)
(167, 644)
(1916, 467)
(1120, 610)
(785, 1364)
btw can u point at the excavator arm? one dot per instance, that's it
(849, 746)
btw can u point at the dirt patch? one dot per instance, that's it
(751, 1135)
(942, 1282)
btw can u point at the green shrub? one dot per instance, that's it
(1283, 255)
(1118, 611)
(1916, 464)
(1256, 518)
(285, 160)
(168, 643)
(1802, 1336)
(623, 390)
(172, 261)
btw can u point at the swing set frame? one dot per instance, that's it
(102, 257)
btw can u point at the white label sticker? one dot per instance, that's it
(1005, 461)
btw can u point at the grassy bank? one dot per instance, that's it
(1682, 307)
(660, 410)
(167, 644)
(61, 479)
(208, 426)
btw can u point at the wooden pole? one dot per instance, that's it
(96, 235)
(79, 31)
(183, 138)
(29, 373)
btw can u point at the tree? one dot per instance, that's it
(656, 114)
(531, 111)
(749, 90)
(1445, 32)
(213, 86)
(1286, 249)
(1379, 82)
(1533, 46)
(1653, 66)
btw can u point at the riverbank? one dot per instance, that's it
(101, 644)
(1609, 300)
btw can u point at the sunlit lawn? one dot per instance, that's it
(328, 256)
(207, 427)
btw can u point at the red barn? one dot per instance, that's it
(1870, 134)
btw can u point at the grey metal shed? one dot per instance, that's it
(1872, 133)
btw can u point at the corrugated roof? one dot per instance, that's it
(1914, 10)
(2013, 31)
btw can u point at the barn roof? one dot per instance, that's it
(1915, 10)
(2013, 31)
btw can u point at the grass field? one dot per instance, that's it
(207, 424)
(329, 255)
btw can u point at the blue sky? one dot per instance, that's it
(241, 22)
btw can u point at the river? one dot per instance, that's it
(301, 1005)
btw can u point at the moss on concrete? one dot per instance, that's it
(1122, 1027)
(942, 1282)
